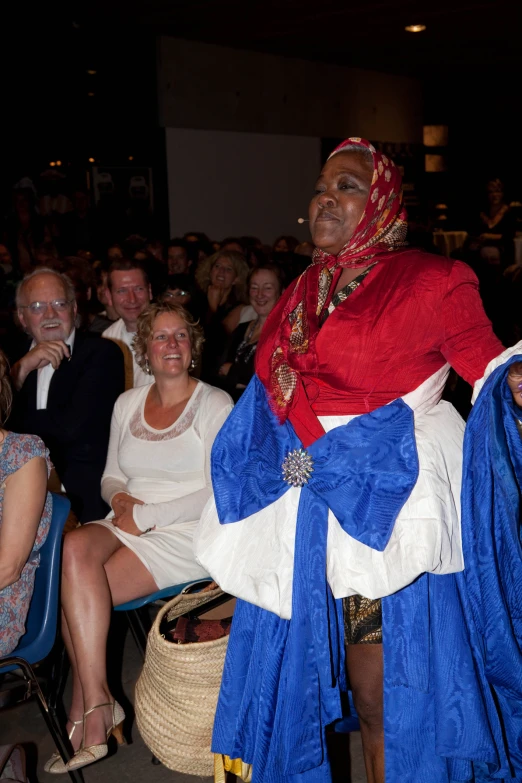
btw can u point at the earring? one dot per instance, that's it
(147, 367)
(192, 364)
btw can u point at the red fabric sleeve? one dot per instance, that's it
(469, 343)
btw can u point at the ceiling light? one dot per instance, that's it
(131, 157)
(91, 72)
(90, 94)
(91, 160)
(52, 163)
(415, 28)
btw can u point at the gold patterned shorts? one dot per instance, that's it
(362, 620)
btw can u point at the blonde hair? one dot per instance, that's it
(240, 268)
(6, 393)
(145, 325)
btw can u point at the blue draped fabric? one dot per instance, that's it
(282, 679)
(452, 644)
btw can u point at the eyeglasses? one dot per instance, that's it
(39, 308)
(172, 294)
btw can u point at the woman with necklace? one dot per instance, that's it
(336, 516)
(265, 286)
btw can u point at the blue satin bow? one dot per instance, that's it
(282, 679)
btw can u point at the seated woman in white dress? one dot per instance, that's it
(157, 481)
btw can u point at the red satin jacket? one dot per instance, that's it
(411, 314)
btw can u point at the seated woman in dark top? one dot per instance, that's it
(490, 251)
(493, 231)
(222, 279)
(265, 286)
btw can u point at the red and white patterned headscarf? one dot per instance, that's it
(287, 345)
(382, 226)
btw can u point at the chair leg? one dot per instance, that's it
(49, 716)
(59, 671)
(138, 630)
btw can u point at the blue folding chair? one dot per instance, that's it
(137, 614)
(41, 626)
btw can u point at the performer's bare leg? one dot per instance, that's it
(365, 671)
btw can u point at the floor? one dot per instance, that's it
(25, 725)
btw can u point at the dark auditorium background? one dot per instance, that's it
(172, 90)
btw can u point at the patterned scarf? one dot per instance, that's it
(287, 347)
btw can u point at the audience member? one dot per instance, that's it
(200, 245)
(489, 250)
(25, 516)
(233, 243)
(66, 385)
(179, 256)
(493, 231)
(222, 278)
(285, 244)
(420, 229)
(25, 229)
(181, 290)
(54, 203)
(155, 270)
(113, 252)
(46, 254)
(101, 294)
(80, 272)
(197, 236)
(292, 264)
(156, 248)
(305, 249)
(129, 293)
(78, 227)
(157, 481)
(265, 286)
(6, 261)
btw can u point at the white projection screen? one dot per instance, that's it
(229, 184)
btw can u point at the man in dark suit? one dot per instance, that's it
(66, 386)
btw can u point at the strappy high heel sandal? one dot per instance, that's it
(92, 753)
(55, 765)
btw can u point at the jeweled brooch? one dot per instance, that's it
(297, 467)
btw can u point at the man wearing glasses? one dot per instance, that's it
(65, 388)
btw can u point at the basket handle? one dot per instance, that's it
(201, 584)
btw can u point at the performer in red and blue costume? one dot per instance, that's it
(351, 526)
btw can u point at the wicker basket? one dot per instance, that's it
(177, 691)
